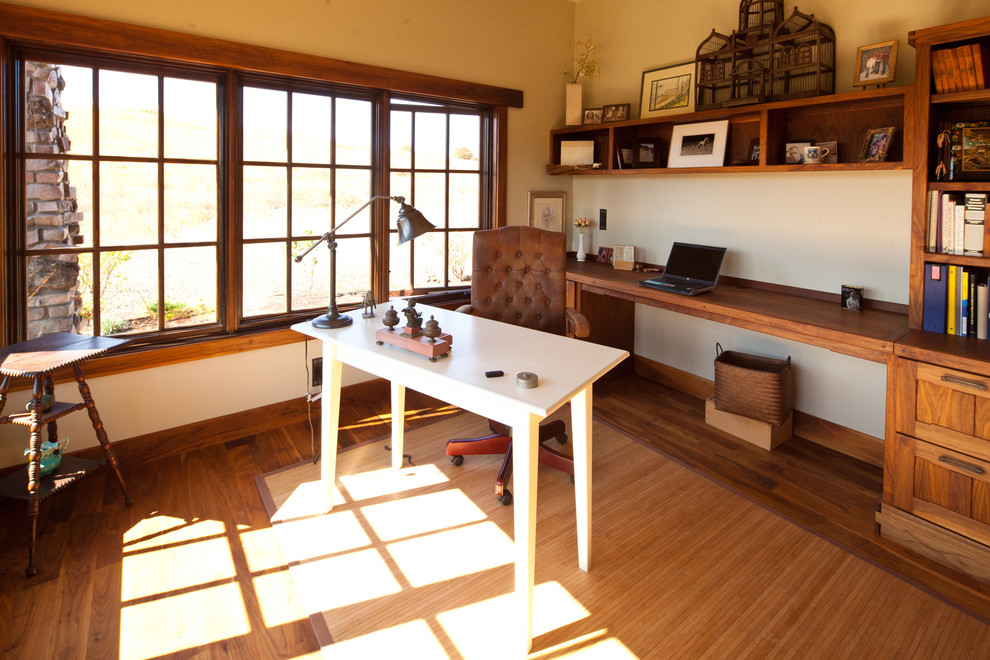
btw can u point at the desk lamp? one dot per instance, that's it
(410, 223)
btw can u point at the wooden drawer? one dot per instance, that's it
(951, 489)
(944, 406)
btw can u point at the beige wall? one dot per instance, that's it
(813, 230)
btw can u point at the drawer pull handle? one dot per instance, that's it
(975, 469)
(965, 383)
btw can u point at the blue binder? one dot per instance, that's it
(936, 290)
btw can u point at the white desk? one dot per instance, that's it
(566, 369)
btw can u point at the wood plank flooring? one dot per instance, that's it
(102, 564)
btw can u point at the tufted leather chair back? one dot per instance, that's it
(518, 277)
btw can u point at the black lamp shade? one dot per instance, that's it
(411, 224)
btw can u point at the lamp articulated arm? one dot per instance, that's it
(327, 236)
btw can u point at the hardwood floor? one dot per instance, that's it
(105, 567)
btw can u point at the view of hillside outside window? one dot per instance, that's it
(436, 164)
(307, 165)
(135, 224)
(120, 197)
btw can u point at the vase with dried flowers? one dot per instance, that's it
(582, 66)
(582, 225)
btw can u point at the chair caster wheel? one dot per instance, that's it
(562, 439)
(505, 498)
(456, 460)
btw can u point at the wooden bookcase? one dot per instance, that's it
(843, 118)
(936, 484)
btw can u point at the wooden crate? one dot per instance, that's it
(754, 431)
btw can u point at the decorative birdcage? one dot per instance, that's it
(768, 57)
(803, 58)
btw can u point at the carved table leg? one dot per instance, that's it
(34, 473)
(101, 434)
(52, 426)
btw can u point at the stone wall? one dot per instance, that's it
(53, 303)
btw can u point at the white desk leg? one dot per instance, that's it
(398, 423)
(581, 439)
(329, 420)
(525, 445)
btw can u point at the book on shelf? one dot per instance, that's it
(961, 68)
(956, 300)
(956, 223)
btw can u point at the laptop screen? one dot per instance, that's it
(694, 262)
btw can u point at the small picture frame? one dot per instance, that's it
(876, 144)
(794, 152)
(547, 209)
(667, 90)
(875, 64)
(647, 152)
(754, 151)
(605, 255)
(698, 145)
(617, 112)
(852, 297)
(833, 151)
(970, 161)
(592, 116)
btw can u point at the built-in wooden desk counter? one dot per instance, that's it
(807, 317)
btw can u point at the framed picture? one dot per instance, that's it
(794, 152)
(754, 151)
(668, 90)
(647, 152)
(618, 112)
(852, 297)
(970, 152)
(593, 116)
(605, 255)
(876, 144)
(875, 64)
(698, 145)
(547, 209)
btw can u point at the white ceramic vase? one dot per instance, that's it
(580, 248)
(573, 111)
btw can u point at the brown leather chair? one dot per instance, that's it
(518, 277)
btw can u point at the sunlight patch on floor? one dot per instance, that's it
(414, 638)
(344, 580)
(305, 499)
(387, 481)
(201, 617)
(261, 550)
(422, 514)
(451, 554)
(276, 595)
(320, 536)
(187, 560)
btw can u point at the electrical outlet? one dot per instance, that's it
(317, 372)
(601, 219)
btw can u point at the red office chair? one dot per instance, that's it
(518, 277)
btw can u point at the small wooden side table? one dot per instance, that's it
(39, 359)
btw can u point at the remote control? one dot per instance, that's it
(494, 374)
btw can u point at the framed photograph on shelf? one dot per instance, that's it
(592, 116)
(647, 152)
(875, 64)
(605, 255)
(754, 151)
(618, 112)
(698, 145)
(876, 144)
(794, 152)
(547, 209)
(970, 151)
(668, 90)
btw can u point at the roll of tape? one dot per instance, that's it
(527, 380)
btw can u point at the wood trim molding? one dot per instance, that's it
(41, 26)
(822, 432)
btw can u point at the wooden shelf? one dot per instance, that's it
(69, 470)
(843, 118)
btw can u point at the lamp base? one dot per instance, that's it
(337, 321)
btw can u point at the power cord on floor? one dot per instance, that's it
(309, 403)
(408, 457)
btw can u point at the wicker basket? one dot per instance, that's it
(753, 386)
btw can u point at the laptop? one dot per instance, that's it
(690, 270)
